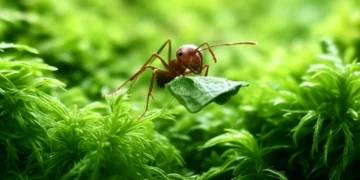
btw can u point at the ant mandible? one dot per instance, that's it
(188, 60)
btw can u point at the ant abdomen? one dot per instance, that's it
(161, 80)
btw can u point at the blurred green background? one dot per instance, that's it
(97, 45)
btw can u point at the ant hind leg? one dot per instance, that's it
(154, 73)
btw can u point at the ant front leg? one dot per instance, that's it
(157, 54)
(154, 55)
(206, 70)
(146, 64)
(207, 47)
(155, 71)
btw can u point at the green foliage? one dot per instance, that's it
(321, 114)
(42, 138)
(23, 122)
(329, 96)
(197, 92)
(244, 157)
(297, 120)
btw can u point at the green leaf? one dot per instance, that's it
(243, 137)
(328, 146)
(309, 117)
(353, 114)
(19, 47)
(275, 174)
(316, 136)
(270, 149)
(348, 146)
(38, 82)
(197, 92)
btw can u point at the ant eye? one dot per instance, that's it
(179, 53)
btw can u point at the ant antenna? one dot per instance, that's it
(229, 44)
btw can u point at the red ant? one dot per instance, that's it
(188, 60)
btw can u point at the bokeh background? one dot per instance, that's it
(97, 45)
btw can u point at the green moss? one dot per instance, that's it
(297, 120)
(43, 139)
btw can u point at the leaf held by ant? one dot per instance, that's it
(197, 92)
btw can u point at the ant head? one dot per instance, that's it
(190, 57)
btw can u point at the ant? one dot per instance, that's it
(188, 60)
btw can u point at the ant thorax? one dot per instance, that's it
(177, 67)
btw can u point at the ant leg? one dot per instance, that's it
(159, 51)
(206, 71)
(169, 50)
(207, 47)
(134, 77)
(155, 71)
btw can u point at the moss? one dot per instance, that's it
(297, 120)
